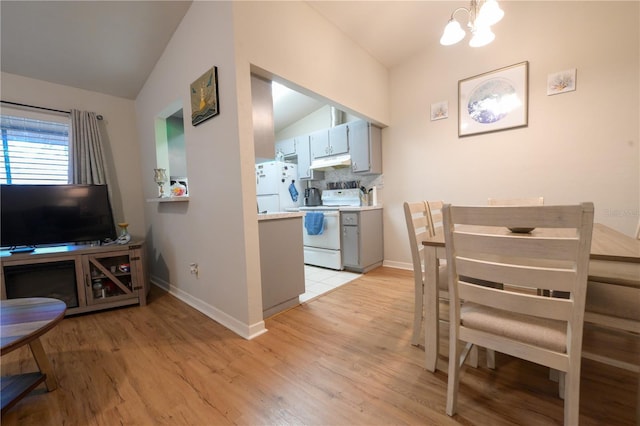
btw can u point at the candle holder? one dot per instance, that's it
(124, 237)
(160, 177)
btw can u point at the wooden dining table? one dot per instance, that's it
(614, 260)
(22, 322)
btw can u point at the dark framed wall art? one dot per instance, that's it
(204, 97)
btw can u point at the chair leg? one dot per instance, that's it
(562, 377)
(473, 356)
(417, 314)
(431, 311)
(571, 391)
(491, 359)
(454, 377)
(638, 396)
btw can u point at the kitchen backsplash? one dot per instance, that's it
(346, 175)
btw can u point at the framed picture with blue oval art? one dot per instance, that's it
(204, 97)
(493, 101)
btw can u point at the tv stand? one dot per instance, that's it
(26, 249)
(87, 278)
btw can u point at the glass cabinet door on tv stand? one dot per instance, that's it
(110, 276)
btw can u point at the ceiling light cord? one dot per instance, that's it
(482, 14)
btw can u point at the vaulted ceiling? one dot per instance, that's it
(112, 46)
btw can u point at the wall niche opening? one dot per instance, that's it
(171, 152)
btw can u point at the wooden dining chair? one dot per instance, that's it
(533, 201)
(424, 219)
(419, 227)
(518, 321)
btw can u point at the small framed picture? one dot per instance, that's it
(439, 110)
(561, 82)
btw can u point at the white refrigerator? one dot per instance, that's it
(277, 186)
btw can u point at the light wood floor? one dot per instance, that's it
(342, 359)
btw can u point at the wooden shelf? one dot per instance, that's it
(167, 199)
(14, 388)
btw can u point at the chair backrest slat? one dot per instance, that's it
(519, 216)
(523, 303)
(435, 214)
(529, 246)
(551, 277)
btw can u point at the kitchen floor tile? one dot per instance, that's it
(320, 280)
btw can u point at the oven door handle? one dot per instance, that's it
(331, 213)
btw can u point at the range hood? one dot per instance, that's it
(330, 163)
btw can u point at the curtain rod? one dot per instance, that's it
(99, 117)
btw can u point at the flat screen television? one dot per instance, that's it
(32, 215)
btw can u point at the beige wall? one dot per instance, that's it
(218, 227)
(290, 40)
(118, 130)
(207, 229)
(579, 146)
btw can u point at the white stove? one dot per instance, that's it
(324, 249)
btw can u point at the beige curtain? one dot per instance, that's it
(86, 155)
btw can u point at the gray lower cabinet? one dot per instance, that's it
(281, 263)
(362, 240)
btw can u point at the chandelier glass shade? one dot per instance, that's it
(482, 14)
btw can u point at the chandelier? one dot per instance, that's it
(482, 14)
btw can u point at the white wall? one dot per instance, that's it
(292, 41)
(578, 146)
(207, 229)
(119, 127)
(317, 120)
(218, 227)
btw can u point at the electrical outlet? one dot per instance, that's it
(193, 268)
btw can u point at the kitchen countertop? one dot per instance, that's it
(296, 212)
(339, 208)
(279, 215)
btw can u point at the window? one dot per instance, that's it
(34, 151)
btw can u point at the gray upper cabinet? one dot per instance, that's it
(304, 160)
(360, 139)
(339, 139)
(319, 142)
(365, 147)
(328, 142)
(287, 147)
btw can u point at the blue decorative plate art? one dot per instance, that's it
(491, 101)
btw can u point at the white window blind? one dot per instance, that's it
(34, 151)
